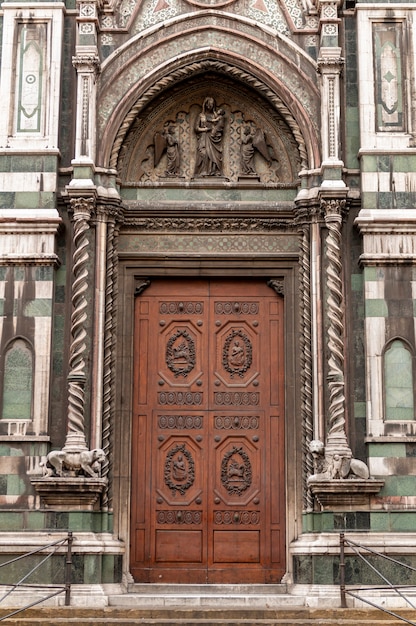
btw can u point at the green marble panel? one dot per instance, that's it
(17, 382)
(398, 486)
(391, 450)
(398, 377)
(357, 282)
(41, 307)
(376, 308)
(360, 409)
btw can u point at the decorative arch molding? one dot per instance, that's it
(142, 70)
(192, 69)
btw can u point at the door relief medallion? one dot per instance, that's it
(236, 473)
(179, 469)
(180, 353)
(237, 354)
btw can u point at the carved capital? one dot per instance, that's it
(330, 65)
(108, 213)
(87, 63)
(82, 208)
(333, 209)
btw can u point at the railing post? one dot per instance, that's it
(68, 570)
(342, 570)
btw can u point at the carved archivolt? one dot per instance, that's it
(259, 137)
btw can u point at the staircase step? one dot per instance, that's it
(192, 590)
(195, 622)
(56, 616)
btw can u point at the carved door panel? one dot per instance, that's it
(208, 441)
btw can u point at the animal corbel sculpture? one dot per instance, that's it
(335, 466)
(65, 463)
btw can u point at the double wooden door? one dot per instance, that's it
(208, 433)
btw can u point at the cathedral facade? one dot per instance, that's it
(207, 287)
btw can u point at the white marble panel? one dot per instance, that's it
(374, 290)
(29, 181)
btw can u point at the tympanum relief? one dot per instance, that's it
(211, 138)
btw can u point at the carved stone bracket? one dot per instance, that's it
(277, 285)
(341, 495)
(140, 286)
(76, 494)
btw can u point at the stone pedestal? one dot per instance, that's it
(69, 494)
(345, 495)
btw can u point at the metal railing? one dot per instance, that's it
(361, 551)
(56, 589)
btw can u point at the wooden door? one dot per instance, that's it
(208, 433)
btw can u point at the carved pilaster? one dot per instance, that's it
(87, 66)
(330, 64)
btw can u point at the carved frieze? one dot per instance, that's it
(236, 308)
(177, 422)
(179, 517)
(180, 398)
(236, 398)
(236, 422)
(175, 308)
(244, 518)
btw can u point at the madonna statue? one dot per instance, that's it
(209, 130)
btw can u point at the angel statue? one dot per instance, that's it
(250, 142)
(168, 142)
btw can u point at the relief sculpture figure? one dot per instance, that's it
(210, 131)
(247, 151)
(168, 142)
(252, 140)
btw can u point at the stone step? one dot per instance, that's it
(221, 600)
(213, 596)
(172, 588)
(56, 616)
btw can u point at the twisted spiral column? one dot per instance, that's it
(306, 364)
(75, 439)
(109, 331)
(336, 438)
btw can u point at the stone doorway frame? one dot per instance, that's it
(131, 273)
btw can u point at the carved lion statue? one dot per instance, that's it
(64, 463)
